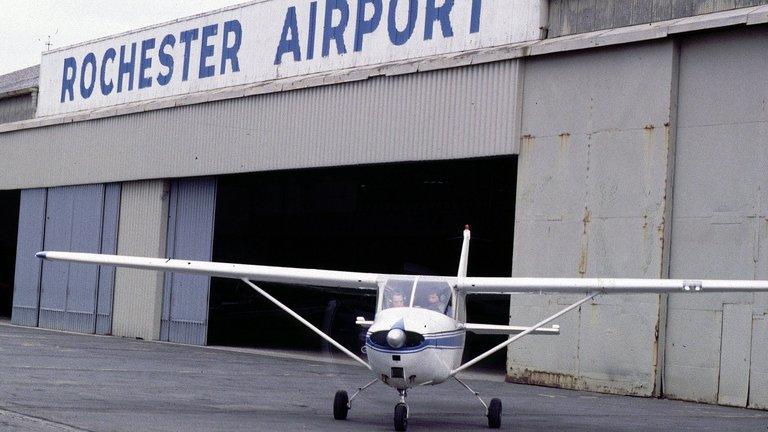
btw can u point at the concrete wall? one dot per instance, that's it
(648, 161)
(142, 232)
(580, 16)
(591, 201)
(717, 345)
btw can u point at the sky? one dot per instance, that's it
(26, 24)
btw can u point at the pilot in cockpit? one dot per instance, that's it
(397, 300)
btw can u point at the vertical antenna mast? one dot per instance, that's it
(464, 259)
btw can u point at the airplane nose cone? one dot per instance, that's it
(396, 338)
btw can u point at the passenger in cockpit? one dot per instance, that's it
(434, 302)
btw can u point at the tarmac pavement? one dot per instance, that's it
(53, 381)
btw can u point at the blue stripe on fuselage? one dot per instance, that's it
(447, 340)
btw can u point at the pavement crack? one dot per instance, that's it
(26, 421)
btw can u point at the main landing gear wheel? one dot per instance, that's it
(401, 417)
(340, 405)
(494, 414)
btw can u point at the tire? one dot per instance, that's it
(494, 414)
(401, 417)
(340, 405)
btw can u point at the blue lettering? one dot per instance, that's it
(331, 32)
(106, 87)
(146, 63)
(474, 26)
(363, 26)
(290, 27)
(68, 79)
(230, 52)
(442, 14)
(312, 30)
(166, 59)
(186, 37)
(401, 37)
(87, 89)
(206, 51)
(126, 67)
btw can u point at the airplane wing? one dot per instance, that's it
(484, 285)
(468, 285)
(286, 275)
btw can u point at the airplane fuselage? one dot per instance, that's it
(432, 347)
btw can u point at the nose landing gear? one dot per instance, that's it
(401, 413)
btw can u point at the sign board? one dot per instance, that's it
(266, 40)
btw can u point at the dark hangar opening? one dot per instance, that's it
(393, 218)
(9, 227)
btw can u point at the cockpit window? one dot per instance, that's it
(435, 295)
(397, 293)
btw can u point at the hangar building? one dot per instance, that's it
(578, 137)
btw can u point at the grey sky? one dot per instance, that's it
(26, 24)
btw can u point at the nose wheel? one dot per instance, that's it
(401, 417)
(401, 412)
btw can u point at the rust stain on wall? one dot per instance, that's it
(565, 140)
(561, 380)
(584, 250)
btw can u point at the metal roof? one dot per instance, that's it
(20, 81)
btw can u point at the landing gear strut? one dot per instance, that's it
(401, 413)
(492, 411)
(342, 402)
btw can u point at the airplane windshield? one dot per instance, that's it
(415, 292)
(397, 293)
(433, 295)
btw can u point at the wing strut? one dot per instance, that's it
(306, 323)
(472, 362)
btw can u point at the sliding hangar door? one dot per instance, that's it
(62, 296)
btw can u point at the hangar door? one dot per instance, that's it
(64, 296)
(9, 222)
(389, 218)
(191, 212)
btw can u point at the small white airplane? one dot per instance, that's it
(417, 335)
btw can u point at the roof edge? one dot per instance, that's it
(754, 15)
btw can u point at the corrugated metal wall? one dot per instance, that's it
(591, 202)
(717, 345)
(192, 208)
(142, 232)
(15, 108)
(26, 291)
(445, 114)
(581, 16)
